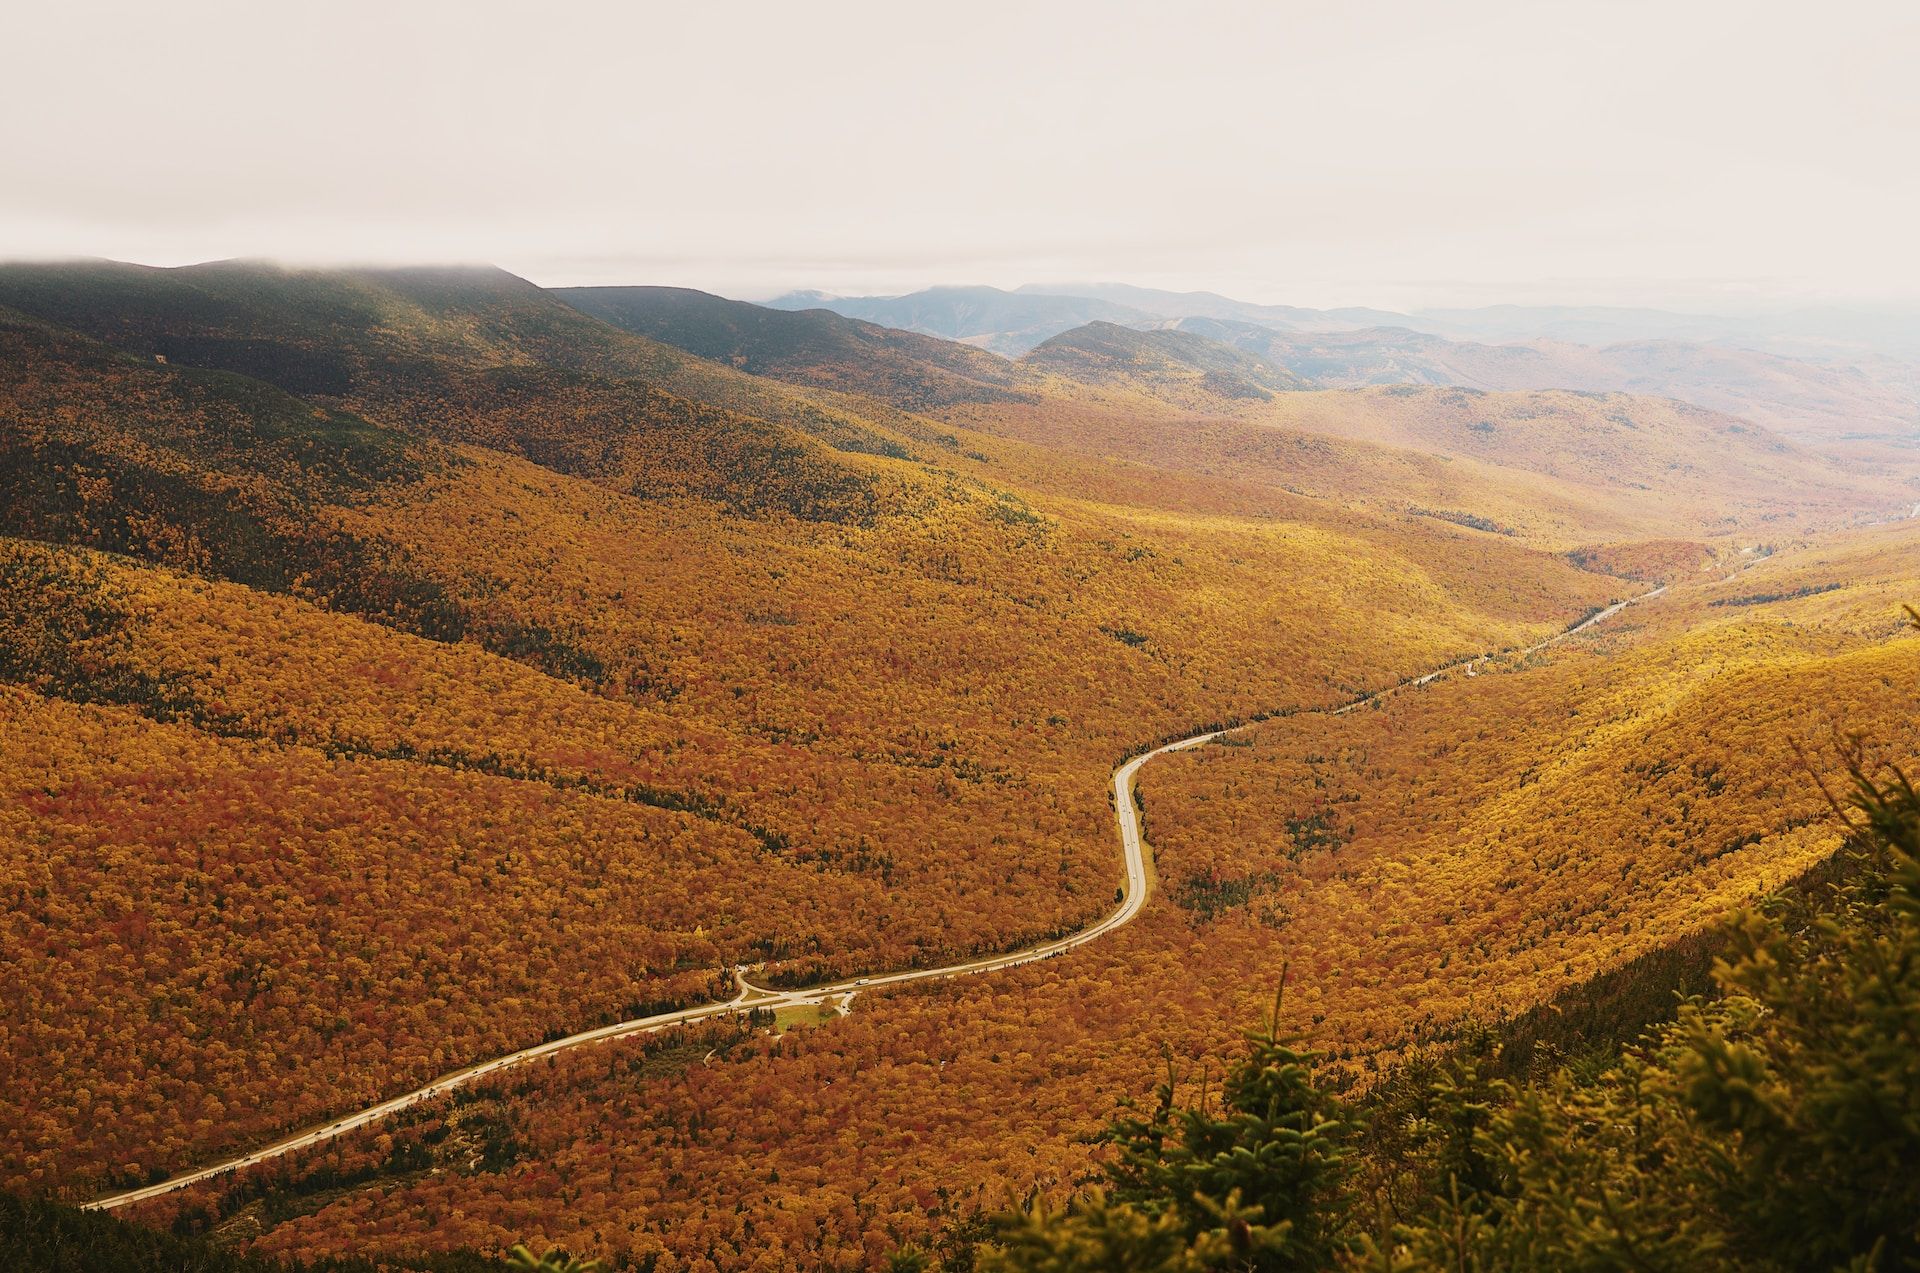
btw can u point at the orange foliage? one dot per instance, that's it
(525, 672)
(1464, 849)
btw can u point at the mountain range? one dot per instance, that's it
(1839, 376)
(404, 668)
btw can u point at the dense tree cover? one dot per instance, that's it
(41, 1236)
(1478, 845)
(203, 471)
(522, 673)
(215, 939)
(812, 347)
(314, 949)
(838, 747)
(897, 1123)
(1611, 463)
(1773, 1127)
(1568, 470)
(1652, 560)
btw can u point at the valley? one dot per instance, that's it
(867, 638)
(1136, 873)
(424, 694)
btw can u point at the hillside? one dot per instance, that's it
(1178, 367)
(641, 709)
(1807, 402)
(815, 346)
(1460, 851)
(475, 355)
(400, 668)
(1007, 323)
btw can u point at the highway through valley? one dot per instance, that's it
(838, 994)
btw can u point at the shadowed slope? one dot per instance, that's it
(1177, 366)
(1008, 323)
(814, 347)
(481, 356)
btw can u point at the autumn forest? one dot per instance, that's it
(403, 668)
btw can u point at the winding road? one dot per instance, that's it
(838, 994)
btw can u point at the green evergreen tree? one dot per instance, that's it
(1772, 1128)
(1255, 1181)
(553, 1260)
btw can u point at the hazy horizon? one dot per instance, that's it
(1718, 158)
(612, 777)
(1755, 308)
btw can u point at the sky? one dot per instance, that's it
(1686, 153)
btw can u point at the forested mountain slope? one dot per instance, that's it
(1005, 322)
(658, 699)
(1830, 405)
(402, 667)
(1182, 368)
(815, 347)
(1462, 851)
(469, 354)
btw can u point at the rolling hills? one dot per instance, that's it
(816, 346)
(1005, 322)
(398, 667)
(1457, 853)
(359, 634)
(1598, 467)
(1851, 392)
(1806, 402)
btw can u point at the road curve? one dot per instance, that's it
(1133, 898)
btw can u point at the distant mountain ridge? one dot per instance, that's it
(1015, 322)
(1808, 401)
(814, 346)
(1838, 378)
(1213, 305)
(1188, 392)
(1178, 366)
(956, 313)
(1009, 323)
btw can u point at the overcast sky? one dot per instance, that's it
(1401, 154)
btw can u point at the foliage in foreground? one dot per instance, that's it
(44, 1236)
(1775, 1127)
(41, 1235)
